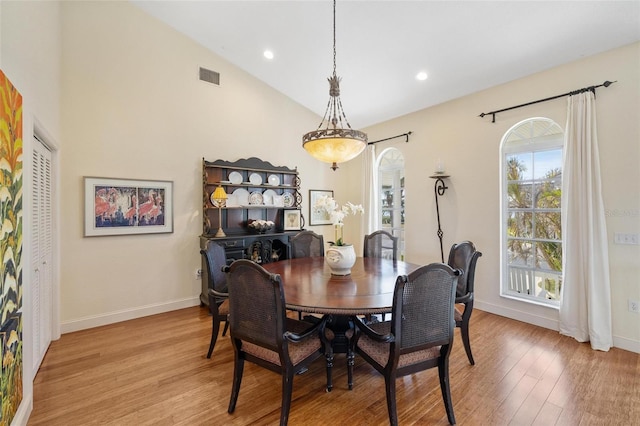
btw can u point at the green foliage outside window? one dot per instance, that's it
(534, 231)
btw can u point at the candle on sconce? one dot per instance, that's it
(439, 166)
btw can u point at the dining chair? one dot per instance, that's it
(464, 256)
(306, 244)
(215, 259)
(261, 332)
(419, 335)
(380, 244)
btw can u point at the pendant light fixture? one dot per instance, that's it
(334, 141)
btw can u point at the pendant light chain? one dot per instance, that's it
(334, 84)
(334, 37)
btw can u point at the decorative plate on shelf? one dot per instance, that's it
(231, 200)
(255, 198)
(242, 196)
(255, 179)
(288, 199)
(235, 178)
(269, 196)
(274, 180)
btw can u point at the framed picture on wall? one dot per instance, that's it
(127, 206)
(318, 216)
(292, 220)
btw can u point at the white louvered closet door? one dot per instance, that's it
(42, 251)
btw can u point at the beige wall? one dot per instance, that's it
(30, 56)
(133, 107)
(469, 145)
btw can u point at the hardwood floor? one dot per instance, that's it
(153, 371)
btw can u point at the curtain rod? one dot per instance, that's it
(392, 137)
(574, 92)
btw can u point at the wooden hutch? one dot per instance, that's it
(257, 190)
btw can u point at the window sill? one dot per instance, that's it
(552, 305)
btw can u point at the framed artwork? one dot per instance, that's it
(318, 216)
(12, 364)
(127, 206)
(292, 220)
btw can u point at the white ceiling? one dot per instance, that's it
(464, 46)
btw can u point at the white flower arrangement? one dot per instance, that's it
(337, 214)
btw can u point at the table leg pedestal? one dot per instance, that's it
(342, 328)
(329, 357)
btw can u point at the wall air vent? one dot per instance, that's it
(210, 76)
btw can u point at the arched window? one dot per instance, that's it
(531, 188)
(391, 194)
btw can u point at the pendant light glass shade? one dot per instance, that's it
(335, 145)
(334, 141)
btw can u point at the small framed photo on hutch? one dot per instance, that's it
(318, 216)
(127, 206)
(292, 220)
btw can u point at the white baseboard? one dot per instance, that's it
(626, 344)
(618, 342)
(143, 311)
(549, 323)
(24, 411)
(124, 315)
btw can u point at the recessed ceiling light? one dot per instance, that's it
(268, 54)
(421, 76)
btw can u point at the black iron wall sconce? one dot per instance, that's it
(439, 190)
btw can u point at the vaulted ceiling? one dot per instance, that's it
(463, 46)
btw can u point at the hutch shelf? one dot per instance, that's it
(256, 190)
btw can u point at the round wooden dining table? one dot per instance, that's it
(309, 286)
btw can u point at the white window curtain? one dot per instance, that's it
(585, 311)
(369, 190)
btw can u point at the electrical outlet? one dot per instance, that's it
(631, 239)
(198, 274)
(634, 306)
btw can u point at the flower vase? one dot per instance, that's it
(340, 259)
